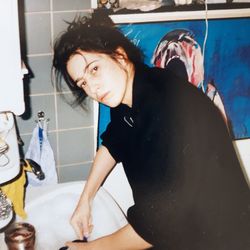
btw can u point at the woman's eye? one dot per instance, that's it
(94, 70)
(81, 84)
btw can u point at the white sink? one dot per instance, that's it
(50, 208)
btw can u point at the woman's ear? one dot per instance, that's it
(121, 55)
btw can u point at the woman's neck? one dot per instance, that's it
(128, 96)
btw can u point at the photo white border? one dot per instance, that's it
(180, 15)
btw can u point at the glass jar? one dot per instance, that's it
(20, 236)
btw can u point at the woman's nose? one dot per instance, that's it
(93, 86)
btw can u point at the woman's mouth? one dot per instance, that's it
(102, 97)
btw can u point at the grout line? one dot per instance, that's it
(56, 11)
(54, 92)
(51, 93)
(63, 130)
(75, 164)
(40, 54)
(42, 94)
(73, 129)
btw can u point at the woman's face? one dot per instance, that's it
(103, 78)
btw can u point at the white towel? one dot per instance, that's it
(41, 152)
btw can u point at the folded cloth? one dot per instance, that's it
(15, 190)
(40, 151)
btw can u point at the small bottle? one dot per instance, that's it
(20, 236)
(108, 4)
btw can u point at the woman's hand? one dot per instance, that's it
(81, 219)
(124, 238)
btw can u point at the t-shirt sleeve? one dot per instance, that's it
(111, 139)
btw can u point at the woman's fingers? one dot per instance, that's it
(78, 228)
(87, 225)
(91, 228)
(81, 220)
(87, 228)
(82, 228)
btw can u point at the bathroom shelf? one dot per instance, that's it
(180, 12)
(186, 7)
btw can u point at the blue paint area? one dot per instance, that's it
(104, 118)
(227, 62)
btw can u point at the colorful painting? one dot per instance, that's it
(225, 74)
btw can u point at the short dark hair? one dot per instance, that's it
(96, 33)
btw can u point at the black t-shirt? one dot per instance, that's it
(188, 187)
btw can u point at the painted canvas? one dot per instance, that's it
(223, 45)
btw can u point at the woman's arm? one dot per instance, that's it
(81, 218)
(102, 165)
(124, 239)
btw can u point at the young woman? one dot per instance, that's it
(187, 184)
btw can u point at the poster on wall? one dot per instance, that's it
(216, 56)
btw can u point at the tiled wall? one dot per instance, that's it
(70, 130)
